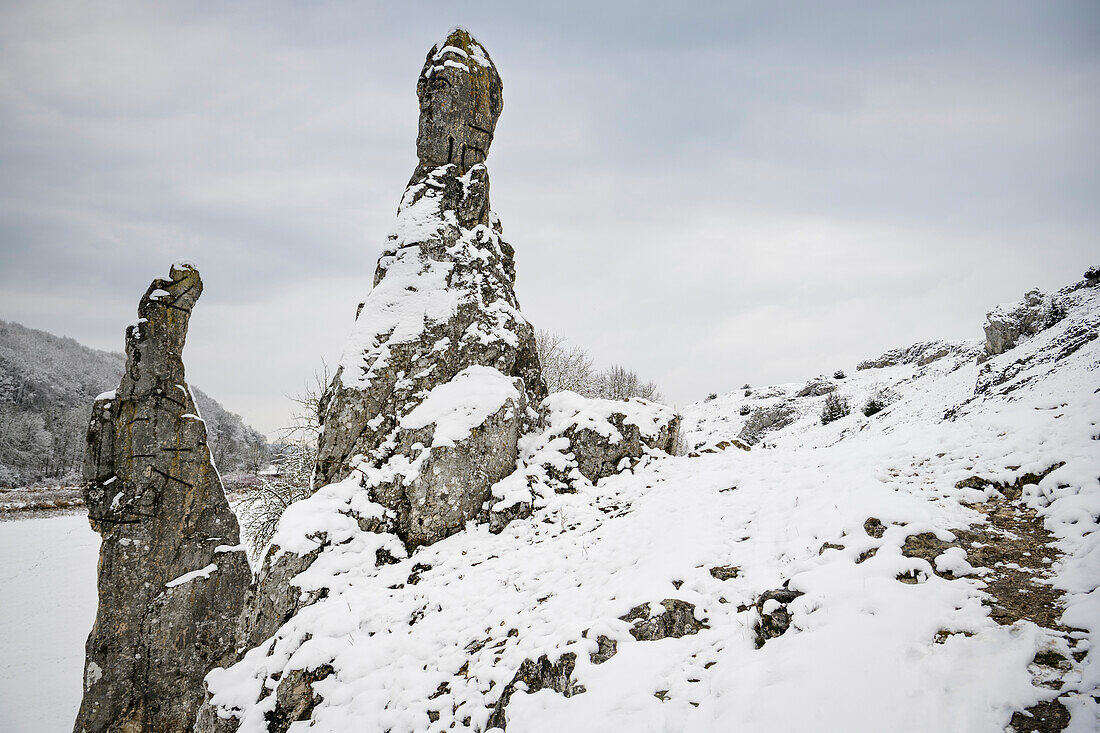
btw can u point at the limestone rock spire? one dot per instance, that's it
(438, 380)
(172, 572)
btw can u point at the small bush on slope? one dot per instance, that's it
(835, 408)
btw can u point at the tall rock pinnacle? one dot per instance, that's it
(172, 573)
(438, 380)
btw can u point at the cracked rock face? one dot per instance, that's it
(461, 97)
(172, 572)
(1006, 324)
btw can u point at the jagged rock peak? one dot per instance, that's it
(461, 97)
(172, 572)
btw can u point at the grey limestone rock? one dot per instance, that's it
(433, 390)
(923, 353)
(540, 674)
(1007, 324)
(764, 420)
(816, 387)
(1056, 326)
(578, 441)
(172, 572)
(604, 433)
(461, 97)
(677, 620)
(450, 479)
(443, 297)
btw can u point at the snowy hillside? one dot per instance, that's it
(47, 385)
(931, 566)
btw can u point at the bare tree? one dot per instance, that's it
(564, 367)
(292, 465)
(567, 367)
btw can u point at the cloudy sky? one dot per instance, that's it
(711, 194)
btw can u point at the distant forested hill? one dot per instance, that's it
(47, 385)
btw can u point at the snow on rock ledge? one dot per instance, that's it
(581, 440)
(602, 433)
(451, 448)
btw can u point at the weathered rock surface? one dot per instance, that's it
(764, 420)
(602, 433)
(1042, 317)
(450, 450)
(532, 676)
(677, 620)
(923, 353)
(816, 387)
(442, 302)
(580, 440)
(461, 97)
(172, 572)
(437, 381)
(1006, 324)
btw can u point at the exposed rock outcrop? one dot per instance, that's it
(461, 97)
(532, 676)
(764, 420)
(924, 353)
(437, 381)
(580, 440)
(1006, 324)
(816, 387)
(775, 615)
(172, 572)
(1037, 316)
(677, 620)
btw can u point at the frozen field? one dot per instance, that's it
(48, 599)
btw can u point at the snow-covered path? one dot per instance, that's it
(47, 606)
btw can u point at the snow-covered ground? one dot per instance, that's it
(47, 606)
(883, 637)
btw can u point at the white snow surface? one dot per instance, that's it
(862, 653)
(47, 607)
(458, 406)
(202, 573)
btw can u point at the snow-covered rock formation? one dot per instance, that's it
(172, 571)
(435, 422)
(440, 354)
(925, 561)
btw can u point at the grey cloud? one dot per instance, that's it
(710, 194)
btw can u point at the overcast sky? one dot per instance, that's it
(708, 193)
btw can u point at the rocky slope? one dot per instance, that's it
(931, 566)
(47, 384)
